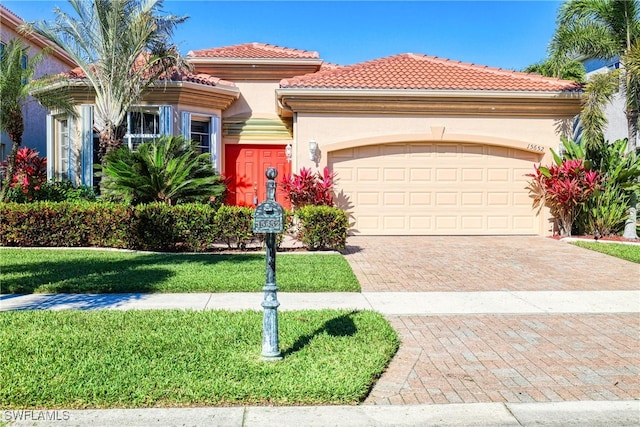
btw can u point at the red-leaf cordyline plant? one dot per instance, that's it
(307, 188)
(563, 188)
(30, 171)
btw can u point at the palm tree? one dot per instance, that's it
(605, 29)
(122, 47)
(168, 170)
(16, 81)
(567, 70)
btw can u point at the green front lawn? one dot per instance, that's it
(166, 358)
(628, 252)
(93, 271)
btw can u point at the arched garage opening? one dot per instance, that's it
(436, 188)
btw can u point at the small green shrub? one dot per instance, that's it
(51, 191)
(195, 225)
(322, 227)
(234, 225)
(156, 228)
(606, 211)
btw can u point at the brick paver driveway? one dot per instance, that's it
(479, 263)
(500, 357)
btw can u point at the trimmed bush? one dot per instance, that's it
(234, 225)
(157, 226)
(322, 227)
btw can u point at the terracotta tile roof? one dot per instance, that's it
(176, 76)
(254, 51)
(326, 66)
(412, 71)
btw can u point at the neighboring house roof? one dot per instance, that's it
(13, 22)
(413, 71)
(253, 51)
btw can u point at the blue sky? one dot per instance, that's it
(505, 34)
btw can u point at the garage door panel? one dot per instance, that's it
(406, 189)
(419, 174)
(448, 174)
(472, 175)
(395, 174)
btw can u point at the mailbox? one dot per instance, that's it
(268, 218)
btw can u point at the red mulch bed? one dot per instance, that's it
(608, 238)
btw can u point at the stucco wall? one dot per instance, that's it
(34, 114)
(334, 132)
(257, 99)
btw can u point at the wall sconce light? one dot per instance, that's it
(288, 152)
(313, 148)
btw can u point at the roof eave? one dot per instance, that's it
(423, 93)
(556, 104)
(253, 61)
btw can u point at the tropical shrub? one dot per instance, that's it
(322, 227)
(606, 211)
(564, 189)
(52, 191)
(167, 170)
(29, 174)
(619, 173)
(307, 188)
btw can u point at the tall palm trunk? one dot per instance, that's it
(15, 129)
(111, 138)
(630, 229)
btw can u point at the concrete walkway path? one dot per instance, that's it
(387, 303)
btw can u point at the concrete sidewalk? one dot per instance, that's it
(387, 303)
(583, 414)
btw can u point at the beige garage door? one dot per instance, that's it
(436, 189)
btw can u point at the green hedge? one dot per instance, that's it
(322, 227)
(155, 226)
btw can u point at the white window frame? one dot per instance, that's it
(202, 119)
(129, 137)
(63, 142)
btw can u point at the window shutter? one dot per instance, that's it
(86, 115)
(166, 120)
(186, 124)
(216, 143)
(51, 156)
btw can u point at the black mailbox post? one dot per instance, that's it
(269, 218)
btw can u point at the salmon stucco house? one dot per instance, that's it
(420, 145)
(56, 61)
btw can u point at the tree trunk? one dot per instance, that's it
(632, 126)
(15, 129)
(630, 229)
(111, 138)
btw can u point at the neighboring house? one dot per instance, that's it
(615, 111)
(421, 145)
(34, 114)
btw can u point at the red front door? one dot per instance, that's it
(245, 166)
